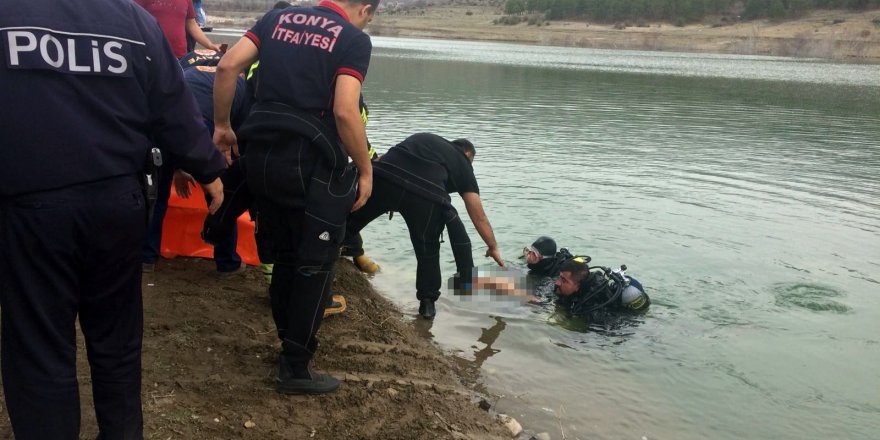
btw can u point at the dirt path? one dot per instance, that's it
(210, 355)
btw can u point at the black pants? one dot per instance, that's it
(302, 204)
(220, 228)
(425, 220)
(67, 253)
(152, 245)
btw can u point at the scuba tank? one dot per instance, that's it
(633, 296)
(605, 287)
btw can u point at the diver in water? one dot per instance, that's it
(542, 257)
(585, 293)
(569, 281)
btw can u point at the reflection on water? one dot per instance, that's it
(615, 326)
(488, 337)
(662, 63)
(741, 191)
(471, 368)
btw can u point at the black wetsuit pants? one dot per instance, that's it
(302, 204)
(221, 226)
(68, 253)
(425, 220)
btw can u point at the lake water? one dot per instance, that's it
(743, 192)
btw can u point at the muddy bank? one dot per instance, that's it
(210, 354)
(836, 35)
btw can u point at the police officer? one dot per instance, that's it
(312, 63)
(88, 87)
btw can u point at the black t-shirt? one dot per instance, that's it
(429, 165)
(303, 50)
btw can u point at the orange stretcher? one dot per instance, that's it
(182, 227)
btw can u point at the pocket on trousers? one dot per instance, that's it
(330, 196)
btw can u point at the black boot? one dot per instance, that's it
(426, 309)
(295, 376)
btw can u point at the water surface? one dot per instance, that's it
(741, 191)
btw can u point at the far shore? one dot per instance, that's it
(834, 35)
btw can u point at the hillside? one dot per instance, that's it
(837, 34)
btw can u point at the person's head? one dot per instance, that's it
(360, 12)
(466, 147)
(571, 274)
(281, 5)
(542, 248)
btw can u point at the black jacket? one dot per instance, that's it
(118, 92)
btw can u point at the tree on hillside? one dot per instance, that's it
(513, 7)
(797, 8)
(677, 10)
(537, 5)
(776, 10)
(755, 9)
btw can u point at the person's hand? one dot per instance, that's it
(226, 142)
(216, 47)
(182, 182)
(496, 255)
(365, 189)
(215, 190)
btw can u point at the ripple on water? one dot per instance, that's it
(813, 297)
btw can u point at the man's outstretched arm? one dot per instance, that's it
(242, 55)
(481, 222)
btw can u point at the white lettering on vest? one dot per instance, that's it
(71, 50)
(108, 51)
(42, 48)
(96, 59)
(15, 48)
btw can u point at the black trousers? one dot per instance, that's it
(67, 253)
(302, 205)
(425, 220)
(221, 226)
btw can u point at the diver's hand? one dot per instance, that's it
(215, 190)
(496, 255)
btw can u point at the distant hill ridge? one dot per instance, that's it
(265, 5)
(679, 11)
(607, 11)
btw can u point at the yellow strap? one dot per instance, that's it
(252, 70)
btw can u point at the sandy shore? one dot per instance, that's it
(838, 35)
